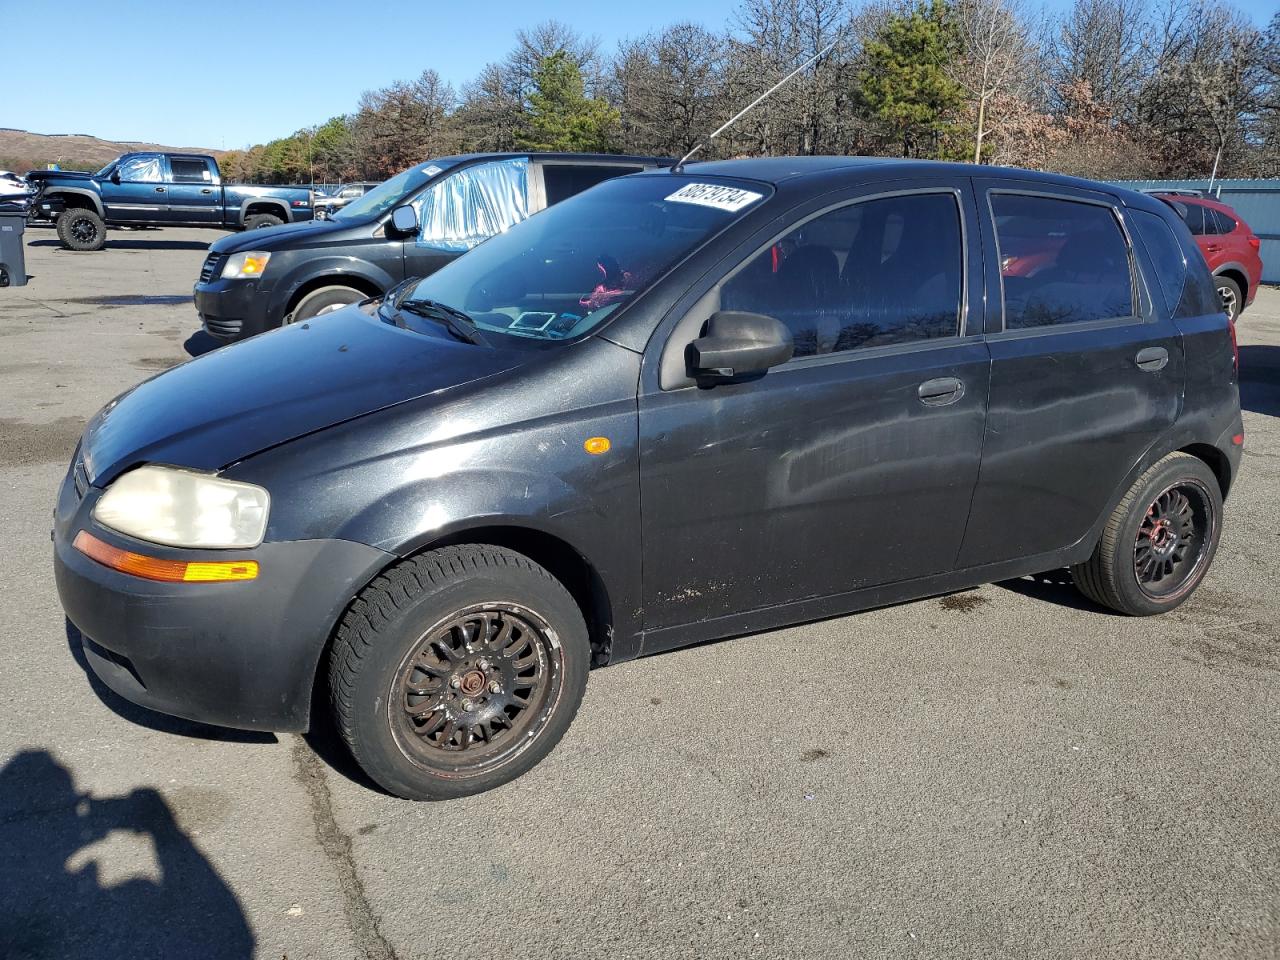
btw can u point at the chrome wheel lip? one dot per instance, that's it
(437, 761)
(1205, 537)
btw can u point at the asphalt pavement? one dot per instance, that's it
(1005, 772)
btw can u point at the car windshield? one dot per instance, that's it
(107, 169)
(560, 273)
(387, 195)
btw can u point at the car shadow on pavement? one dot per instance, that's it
(114, 244)
(200, 343)
(96, 878)
(1260, 379)
(149, 718)
(1057, 587)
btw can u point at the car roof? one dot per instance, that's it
(799, 171)
(536, 155)
(1202, 201)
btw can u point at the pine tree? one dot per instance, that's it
(561, 116)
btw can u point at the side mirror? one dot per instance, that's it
(740, 344)
(404, 219)
(115, 176)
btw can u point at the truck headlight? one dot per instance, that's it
(182, 508)
(251, 263)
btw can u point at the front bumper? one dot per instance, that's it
(240, 654)
(232, 310)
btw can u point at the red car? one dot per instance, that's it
(1228, 245)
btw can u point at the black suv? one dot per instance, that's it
(680, 406)
(251, 284)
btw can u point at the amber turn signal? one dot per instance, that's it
(596, 445)
(166, 571)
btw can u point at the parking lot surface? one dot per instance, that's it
(1005, 772)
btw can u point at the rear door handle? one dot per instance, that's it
(941, 391)
(1152, 359)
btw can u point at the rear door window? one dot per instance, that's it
(1193, 215)
(1061, 261)
(189, 171)
(563, 180)
(871, 274)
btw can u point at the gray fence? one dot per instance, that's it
(1257, 201)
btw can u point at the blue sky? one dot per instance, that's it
(213, 74)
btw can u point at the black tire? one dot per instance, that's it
(436, 624)
(1141, 541)
(260, 221)
(82, 230)
(1231, 296)
(324, 300)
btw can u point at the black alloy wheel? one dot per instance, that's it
(1172, 538)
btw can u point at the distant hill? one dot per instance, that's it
(21, 150)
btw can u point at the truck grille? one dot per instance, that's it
(212, 267)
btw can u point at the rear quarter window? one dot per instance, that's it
(1166, 256)
(1198, 294)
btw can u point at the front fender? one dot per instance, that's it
(95, 198)
(310, 269)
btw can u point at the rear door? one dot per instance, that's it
(142, 195)
(851, 465)
(194, 194)
(1085, 374)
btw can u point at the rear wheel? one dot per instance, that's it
(82, 230)
(457, 671)
(1230, 295)
(324, 300)
(1159, 541)
(260, 221)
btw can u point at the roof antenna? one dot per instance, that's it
(678, 168)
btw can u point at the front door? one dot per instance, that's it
(465, 208)
(1085, 376)
(141, 195)
(853, 464)
(194, 193)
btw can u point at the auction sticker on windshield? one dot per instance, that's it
(721, 197)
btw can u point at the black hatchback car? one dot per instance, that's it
(679, 406)
(408, 226)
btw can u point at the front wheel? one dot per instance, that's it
(324, 300)
(82, 230)
(1159, 541)
(1230, 295)
(457, 671)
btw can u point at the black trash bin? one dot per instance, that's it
(13, 263)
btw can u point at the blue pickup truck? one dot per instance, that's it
(158, 190)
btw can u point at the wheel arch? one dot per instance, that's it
(76, 199)
(1215, 460)
(1235, 272)
(256, 205)
(355, 281)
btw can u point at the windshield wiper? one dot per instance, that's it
(458, 322)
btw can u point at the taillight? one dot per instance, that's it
(1255, 242)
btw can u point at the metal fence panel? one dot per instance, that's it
(1257, 201)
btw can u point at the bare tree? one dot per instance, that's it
(996, 57)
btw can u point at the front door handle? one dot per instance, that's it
(207, 190)
(159, 189)
(941, 391)
(1152, 359)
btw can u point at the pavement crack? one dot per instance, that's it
(308, 771)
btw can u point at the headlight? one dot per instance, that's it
(181, 508)
(251, 263)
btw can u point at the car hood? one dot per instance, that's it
(239, 400)
(275, 238)
(42, 175)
